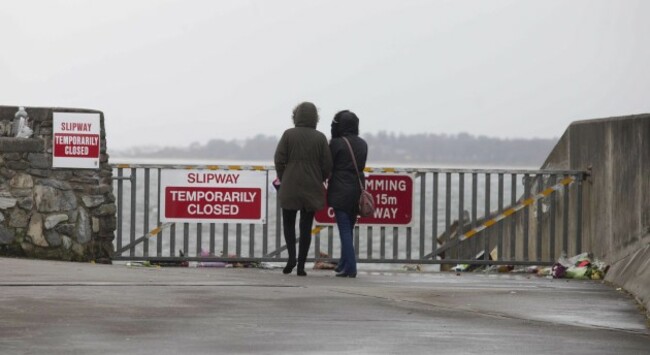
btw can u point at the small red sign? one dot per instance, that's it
(213, 203)
(393, 196)
(76, 145)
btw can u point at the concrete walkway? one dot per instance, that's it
(49, 307)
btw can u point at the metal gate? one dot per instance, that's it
(478, 216)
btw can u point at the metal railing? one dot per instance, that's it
(543, 226)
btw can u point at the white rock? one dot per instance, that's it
(53, 220)
(7, 202)
(35, 230)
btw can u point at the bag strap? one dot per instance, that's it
(354, 160)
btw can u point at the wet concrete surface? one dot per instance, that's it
(72, 308)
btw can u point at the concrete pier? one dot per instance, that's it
(78, 308)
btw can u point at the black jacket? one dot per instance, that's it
(343, 190)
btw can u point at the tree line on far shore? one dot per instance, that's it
(383, 147)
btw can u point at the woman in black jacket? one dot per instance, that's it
(343, 190)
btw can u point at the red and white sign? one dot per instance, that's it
(76, 140)
(213, 196)
(393, 201)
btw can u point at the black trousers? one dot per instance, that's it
(289, 225)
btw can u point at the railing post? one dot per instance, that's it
(265, 227)
(199, 239)
(278, 225)
(552, 209)
(565, 219)
(120, 206)
(145, 224)
(486, 214)
(513, 221)
(474, 217)
(500, 251)
(434, 219)
(423, 200)
(330, 241)
(538, 239)
(133, 211)
(461, 212)
(225, 250)
(526, 215)
(159, 235)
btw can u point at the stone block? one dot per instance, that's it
(62, 174)
(27, 247)
(97, 190)
(110, 197)
(84, 230)
(26, 203)
(21, 145)
(57, 184)
(52, 220)
(7, 202)
(78, 249)
(6, 235)
(12, 156)
(18, 218)
(85, 180)
(35, 230)
(108, 209)
(84, 173)
(107, 224)
(49, 199)
(65, 228)
(53, 238)
(92, 200)
(66, 242)
(22, 192)
(40, 173)
(40, 160)
(21, 181)
(17, 165)
(95, 222)
(7, 173)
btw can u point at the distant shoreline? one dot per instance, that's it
(372, 164)
(385, 149)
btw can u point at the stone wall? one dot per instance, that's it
(65, 214)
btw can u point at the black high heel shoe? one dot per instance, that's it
(339, 267)
(289, 268)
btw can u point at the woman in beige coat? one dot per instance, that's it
(303, 162)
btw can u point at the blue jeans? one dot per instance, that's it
(345, 222)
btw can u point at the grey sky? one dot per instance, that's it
(177, 72)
